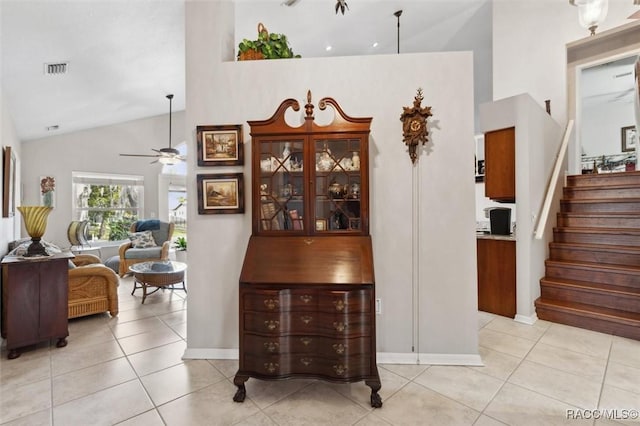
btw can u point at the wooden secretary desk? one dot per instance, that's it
(307, 287)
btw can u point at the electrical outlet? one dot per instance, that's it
(378, 306)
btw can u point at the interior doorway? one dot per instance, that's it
(607, 125)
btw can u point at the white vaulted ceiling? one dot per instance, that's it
(125, 56)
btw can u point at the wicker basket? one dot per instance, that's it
(250, 55)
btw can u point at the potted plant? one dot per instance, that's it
(180, 244)
(267, 46)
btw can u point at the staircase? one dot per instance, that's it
(592, 277)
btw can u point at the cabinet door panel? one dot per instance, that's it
(23, 306)
(500, 165)
(54, 294)
(497, 277)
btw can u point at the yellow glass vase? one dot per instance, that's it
(35, 222)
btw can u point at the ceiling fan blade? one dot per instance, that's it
(139, 155)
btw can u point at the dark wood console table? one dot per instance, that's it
(35, 292)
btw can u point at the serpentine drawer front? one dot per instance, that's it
(307, 332)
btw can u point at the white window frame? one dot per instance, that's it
(81, 179)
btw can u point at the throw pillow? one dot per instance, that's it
(142, 239)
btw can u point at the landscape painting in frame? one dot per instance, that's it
(220, 193)
(220, 145)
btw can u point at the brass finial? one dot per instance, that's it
(308, 108)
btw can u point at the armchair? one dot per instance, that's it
(93, 288)
(130, 255)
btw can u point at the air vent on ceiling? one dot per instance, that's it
(56, 68)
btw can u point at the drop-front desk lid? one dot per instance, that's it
(308, 260)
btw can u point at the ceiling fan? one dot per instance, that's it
(168, 156)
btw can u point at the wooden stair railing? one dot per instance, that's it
(592, 276)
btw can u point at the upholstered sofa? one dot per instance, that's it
(93, 287)
(130, 255)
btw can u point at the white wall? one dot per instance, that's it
(600, 127)
(529, 47)
(96, 150)
(9, 226)
(425, 255)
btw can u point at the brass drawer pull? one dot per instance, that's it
(271, 367)
(340, 369)
(306, 298)
(272, 325)
(306, 319)
(339, 348)
(340, 326)
(306, 361)
(339, 304)
(306, 340)
(272, 346)
(272, 304)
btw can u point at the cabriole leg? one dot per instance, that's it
(241, 393)
(376, 400)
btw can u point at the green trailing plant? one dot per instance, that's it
(267, 46)
(180, 243)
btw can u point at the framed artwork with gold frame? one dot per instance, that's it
(220, 145)
(220, 193)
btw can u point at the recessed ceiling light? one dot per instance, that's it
(375, 44)
(328, 48)
(52, 128)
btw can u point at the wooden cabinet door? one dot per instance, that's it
(22, 305)
(500, 165)
(497, 277)
(54, 298)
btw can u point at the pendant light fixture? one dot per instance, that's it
(591, 13)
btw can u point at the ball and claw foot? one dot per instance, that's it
(62, 342)
(13, 354)
(376, 400)
(241, 393)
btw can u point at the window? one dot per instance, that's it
(172, 194)
(111, 203)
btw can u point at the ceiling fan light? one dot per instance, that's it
(168, 161)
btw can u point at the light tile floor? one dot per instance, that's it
(128, 370)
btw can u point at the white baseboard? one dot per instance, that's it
(382, 357)
(530, 320)
(210, 353)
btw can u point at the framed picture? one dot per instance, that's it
(47, 191)
(8, 183)
(220, 193)
(321, 224)
(629, 138)
(220, 145)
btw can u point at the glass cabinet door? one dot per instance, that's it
(281, 185)
(337, 192)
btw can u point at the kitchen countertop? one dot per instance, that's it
(487, 236)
